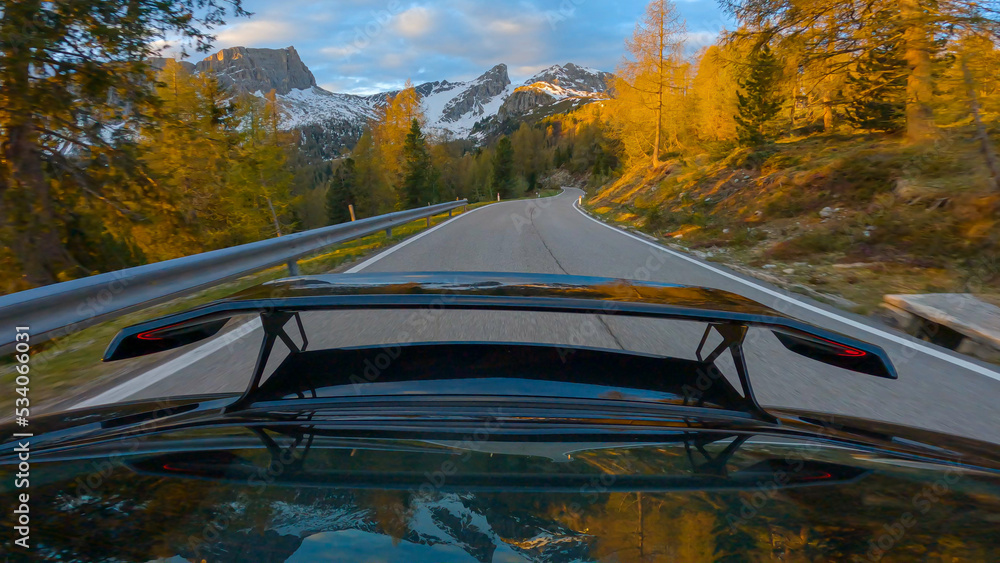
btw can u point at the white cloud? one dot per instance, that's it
(415, 22)
(165, 48)
(339, 51)
(395, 60)
(522, 72)
(699, 39)
(258, 32)
(509, 27)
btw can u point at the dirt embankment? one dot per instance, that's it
(851, 216)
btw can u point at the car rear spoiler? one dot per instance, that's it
(708, 470)
(729, 314)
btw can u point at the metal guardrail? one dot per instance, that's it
(60, 309)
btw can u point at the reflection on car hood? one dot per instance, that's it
(266, 490)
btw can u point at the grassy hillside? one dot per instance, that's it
(856, 215)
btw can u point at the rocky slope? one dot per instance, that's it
(573, 77)
(259, 70)
(556, 84)
(331, 121)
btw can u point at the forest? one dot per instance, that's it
(109, 163)
(849, 147)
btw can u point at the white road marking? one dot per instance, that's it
(162, 371)
(861, 326)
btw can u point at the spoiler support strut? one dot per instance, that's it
(274, 329)
(733, 336)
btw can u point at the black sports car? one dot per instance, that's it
(471, 450)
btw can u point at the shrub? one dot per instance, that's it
(864, 175)
(809, 244)
(747, 236)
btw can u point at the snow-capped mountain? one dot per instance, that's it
(573, 78)
(331, 121)
(553, 85)
(453, 108)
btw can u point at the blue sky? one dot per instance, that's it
(360, 46)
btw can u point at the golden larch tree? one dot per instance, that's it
(714, 91)
(393, 123)
(649, 82)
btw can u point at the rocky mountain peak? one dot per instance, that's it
(555, 85)
(477, 94)
(573, 77)
(252, 70)
(496, 75)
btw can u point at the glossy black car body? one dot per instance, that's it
(484, 451)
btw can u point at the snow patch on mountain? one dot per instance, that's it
(462, 127)
(559, 93)
(454, 108)
(573, 77)
(316, 105)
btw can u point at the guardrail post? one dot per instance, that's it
(428, 220)
(293, 267)
(580, 201)
(388, 233)
(350, 207)
(449, 213)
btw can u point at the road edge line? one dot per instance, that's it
(982, 370)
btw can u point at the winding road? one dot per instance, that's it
(937, 389)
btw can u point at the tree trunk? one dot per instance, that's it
(791, 111)
(659, 88)
(37, 244)
(827, 113)
(274, 216)
(828, 116)
(656, 138)
(984, 138)
(27, 202)
(919, 81)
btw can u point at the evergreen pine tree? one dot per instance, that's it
(340, 193)
(878, 83)
(418, 174)
(503, 169)
(760, 99)
(71, 72)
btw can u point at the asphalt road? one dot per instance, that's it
(936, 389)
